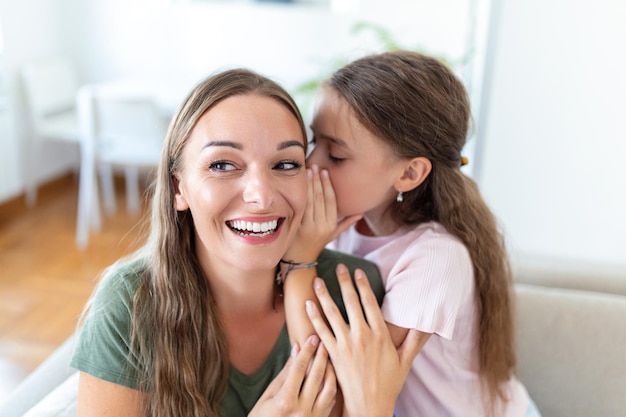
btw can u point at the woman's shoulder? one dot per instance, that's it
(119, 283)
(328, 261)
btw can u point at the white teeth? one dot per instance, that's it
(254, 227)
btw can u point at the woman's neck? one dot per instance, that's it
(246, 291)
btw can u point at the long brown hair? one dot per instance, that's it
(420, 108)
(175, 331)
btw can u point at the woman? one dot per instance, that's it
(193, 324)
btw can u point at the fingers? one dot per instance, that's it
(298, 364)
(322, 194)
(314, 188)
(369, 303)
(411, 346)
(350, 297)
(327, 397)
(319, 388)
(330, 206)
(320, 326)
(331, 324)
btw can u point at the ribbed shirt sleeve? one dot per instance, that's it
(428, 283)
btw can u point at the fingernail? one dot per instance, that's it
(359, 274)
(314, 340)
(324, 173)
(318, 283)
(341, 269)
(315, 168)
(294, 350)
(309, 173)
(310, 306)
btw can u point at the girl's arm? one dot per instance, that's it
(319, 226)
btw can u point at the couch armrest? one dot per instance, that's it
(44, 379)
(571, 347)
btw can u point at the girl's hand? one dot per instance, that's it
(319, 224)
(370, 369)
(297, 393)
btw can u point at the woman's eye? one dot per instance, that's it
(222, 166)
(288, 165)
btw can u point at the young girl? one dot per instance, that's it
(389, 131)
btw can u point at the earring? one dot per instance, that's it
(399, 198)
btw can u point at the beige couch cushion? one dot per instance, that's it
(572, 351)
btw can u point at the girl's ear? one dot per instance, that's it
(180, 202)
(415, 172)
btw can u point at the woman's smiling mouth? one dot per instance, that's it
(257, 229)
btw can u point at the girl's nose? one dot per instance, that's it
(313, 158)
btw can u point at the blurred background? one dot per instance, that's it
(546, 80)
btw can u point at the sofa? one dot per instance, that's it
(571, 339)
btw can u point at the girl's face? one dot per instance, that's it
(362, 167)
(244, 182)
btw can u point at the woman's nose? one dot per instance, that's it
(259, 189)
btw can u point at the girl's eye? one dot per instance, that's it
(331, 158)
(288, 165)
(335, 160)
(222, 166)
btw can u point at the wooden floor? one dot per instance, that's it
(44, 278)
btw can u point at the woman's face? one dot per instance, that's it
(362, 167)
(244, 182)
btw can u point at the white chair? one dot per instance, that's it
(117, 130)
(50, 88)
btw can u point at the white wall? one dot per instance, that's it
(553, 163)
(185, 40)
(291, 43)
(31, 30)
(554, 158)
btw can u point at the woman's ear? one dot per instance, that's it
(180, 202)
(415, 172)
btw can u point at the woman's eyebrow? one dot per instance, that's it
(289, 143)
(229, 144)
(238, 146)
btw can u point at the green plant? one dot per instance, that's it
(305, 92)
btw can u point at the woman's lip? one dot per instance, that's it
(256, 228)
(256, 219)
(258, 236)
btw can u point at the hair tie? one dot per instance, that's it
(285, 267)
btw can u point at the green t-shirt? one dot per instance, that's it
(102, 348)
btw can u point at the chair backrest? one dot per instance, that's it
(50, 86)
(124, 129)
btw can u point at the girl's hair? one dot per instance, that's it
(176, 331)
(420, 108)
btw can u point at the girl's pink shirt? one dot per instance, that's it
(429, 283)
